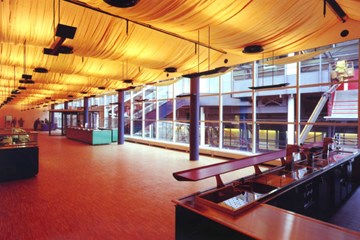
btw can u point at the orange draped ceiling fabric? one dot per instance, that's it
(138, 43)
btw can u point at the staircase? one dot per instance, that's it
(165, 110)
(345, 106)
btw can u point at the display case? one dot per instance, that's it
(18, 137)
(19, 155)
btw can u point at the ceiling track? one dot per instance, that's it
(79, 3)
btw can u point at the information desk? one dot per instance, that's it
(90, 136)
(292, 201)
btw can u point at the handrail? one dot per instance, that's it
(315, 114)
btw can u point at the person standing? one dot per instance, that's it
(36, 124)
(21, 122)
(13, 122)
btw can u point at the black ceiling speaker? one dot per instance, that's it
(62, 32)
(253, 49)
(170, 69)
(26, 81)
(40, 70)
(344, 33)
(66, 49)
(122, 3)
(128, 81)
(65, 31)
(101, 88)
(26, 76)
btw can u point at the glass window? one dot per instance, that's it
(137, 128)
(324, 81)
(209, 131)
(150, 129)
(150, 93)
(237, 136)
(183, 108)
(242, 77)
(226, 82)
(165, 92)
(182, 131)
(166, 109)
(182, 87)
(150, 110)
(209, 85)
(165, 130)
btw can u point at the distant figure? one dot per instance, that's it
(13, 122)
(36, 124)
(21, 122)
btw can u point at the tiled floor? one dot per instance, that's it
(98, 192)
(348, 215)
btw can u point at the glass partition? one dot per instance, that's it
(248, 110)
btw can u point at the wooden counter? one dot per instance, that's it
(260, 222)
(90, 136)
(293, 211)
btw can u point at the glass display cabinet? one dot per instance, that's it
(19, 155)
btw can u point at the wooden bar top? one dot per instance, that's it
(268, 222)
(200, 173)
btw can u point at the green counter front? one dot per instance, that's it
(89, 136)
(114, 133)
